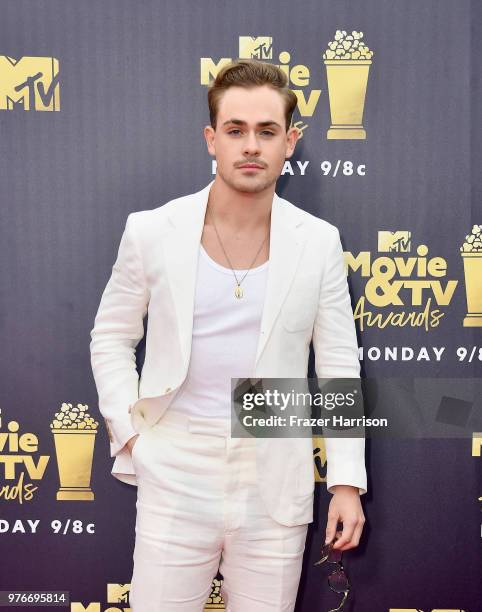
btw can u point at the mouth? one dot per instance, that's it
(251, 167)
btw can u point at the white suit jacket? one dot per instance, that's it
(306, 299)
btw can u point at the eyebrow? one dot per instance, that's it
(259, 124)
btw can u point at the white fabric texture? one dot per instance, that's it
(199, 509)
(224, 337)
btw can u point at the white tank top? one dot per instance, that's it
(224, 337)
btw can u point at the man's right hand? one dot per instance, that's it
(130, 442)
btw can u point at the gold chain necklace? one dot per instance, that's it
(238, 292)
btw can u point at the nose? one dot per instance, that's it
(251, 146)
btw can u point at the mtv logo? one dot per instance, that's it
(30, 83)
(394, 242)
(257, 47)
(118, 593)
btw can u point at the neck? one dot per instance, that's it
(240, 211)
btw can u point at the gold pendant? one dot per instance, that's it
(238, 292)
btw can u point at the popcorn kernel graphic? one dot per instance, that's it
(473, 241)
(347, 60)
(215, 600)
(74, 433)
(471, 252)
(347, 47)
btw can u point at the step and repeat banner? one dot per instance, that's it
(102, 108)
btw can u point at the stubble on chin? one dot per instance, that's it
(248, 184)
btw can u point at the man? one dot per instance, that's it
(236, 282)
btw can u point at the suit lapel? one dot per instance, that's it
(180, 243)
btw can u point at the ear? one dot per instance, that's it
(209, 135)
(292, 136)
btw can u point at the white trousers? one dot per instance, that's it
(199, 509)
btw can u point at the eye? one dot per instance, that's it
(263, 132)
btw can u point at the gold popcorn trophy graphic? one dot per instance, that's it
(215, 600)
(347, 61)
(471, 252)
(74, 433)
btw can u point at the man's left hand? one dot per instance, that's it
(345, 507)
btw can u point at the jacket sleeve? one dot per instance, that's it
(118, 328)
(336, 356)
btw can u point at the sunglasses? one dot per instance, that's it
(337, 580)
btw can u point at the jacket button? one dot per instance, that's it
(167, 390)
